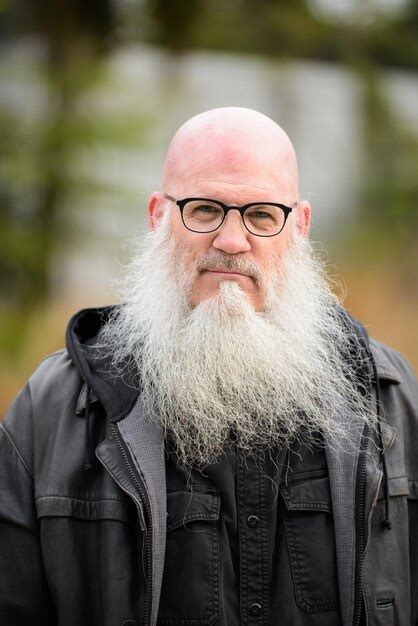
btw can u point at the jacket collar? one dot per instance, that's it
(385, 368)
(117, 394)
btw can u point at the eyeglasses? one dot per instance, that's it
(203, 215)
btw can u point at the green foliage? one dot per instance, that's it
(389, 198)
(276, 28)
(40, 147)
(37, 173)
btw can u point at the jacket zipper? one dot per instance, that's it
(360, 529)
(141, 507)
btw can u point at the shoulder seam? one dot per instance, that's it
(385, 368)
(12, 443)
(56, 353)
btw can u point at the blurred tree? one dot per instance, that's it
(176, 21)
(389, 198)
(279, 28)
(75, 35)
(394, 42)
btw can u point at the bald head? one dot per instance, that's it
(231, 146)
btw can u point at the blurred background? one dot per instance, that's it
(92, 90)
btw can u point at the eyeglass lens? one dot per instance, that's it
(260, 219)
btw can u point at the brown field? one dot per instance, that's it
(379, 299)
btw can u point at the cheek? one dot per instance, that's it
(176, 227)
(192, 245)
(265, 251)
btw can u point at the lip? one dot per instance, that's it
(222, 271)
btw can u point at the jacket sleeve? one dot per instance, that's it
(24, 596)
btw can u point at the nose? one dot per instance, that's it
(232, 236)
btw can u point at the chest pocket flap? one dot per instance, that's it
(187, 506)
(91, 510)
(312, 494)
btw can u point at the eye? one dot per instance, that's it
(264, 219)
(201, 215)
(207, 209)
(259, 215)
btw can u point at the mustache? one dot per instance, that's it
(216, 260)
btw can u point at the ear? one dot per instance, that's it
(155, 209)
(304, 217)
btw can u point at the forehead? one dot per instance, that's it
(237, 178)
(235, 162)
(233, 193)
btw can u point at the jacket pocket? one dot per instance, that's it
(190, 589)
(309, 528)
(92, 558)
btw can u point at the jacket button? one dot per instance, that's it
(255, 609)
(253, 521)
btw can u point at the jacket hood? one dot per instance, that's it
(116, 393)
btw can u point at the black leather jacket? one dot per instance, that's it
(83, 500)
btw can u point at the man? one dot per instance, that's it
(227, 446)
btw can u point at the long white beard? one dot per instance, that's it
(222, 368)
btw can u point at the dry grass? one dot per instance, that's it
(387, 308)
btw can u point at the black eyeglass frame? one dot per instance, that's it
(226, 208)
